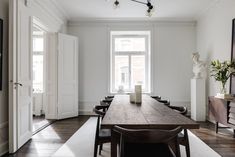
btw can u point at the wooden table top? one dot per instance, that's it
(149, 114)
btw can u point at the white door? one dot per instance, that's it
(20, 75)
(67, 76)
(51, 76)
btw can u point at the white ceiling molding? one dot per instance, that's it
(132, 20)
(132, 23)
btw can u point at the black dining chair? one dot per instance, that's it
(148, 142)
(165, 102)
(109, 97)
(182, 137)
(108, 101)
(100, 110)
(102, 135)
(180, 109)
(158, 97)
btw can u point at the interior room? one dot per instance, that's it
(117, 78)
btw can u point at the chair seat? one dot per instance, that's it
(148, 150)
(105, 133)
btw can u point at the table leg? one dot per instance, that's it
(216, 127)
(113, 144)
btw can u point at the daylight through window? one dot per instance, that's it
(130, 61)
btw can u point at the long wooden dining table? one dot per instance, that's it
(149, 114)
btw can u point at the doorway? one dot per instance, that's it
(39, 81)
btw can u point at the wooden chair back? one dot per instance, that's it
(149, 136)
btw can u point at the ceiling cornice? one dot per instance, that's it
(135, 22)
(152, 19)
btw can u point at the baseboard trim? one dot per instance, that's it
(3, 125)
(84, 113)
(4, 148)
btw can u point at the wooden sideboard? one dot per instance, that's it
(222, 111)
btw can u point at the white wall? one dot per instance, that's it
(4, 92)
(214, 35)
(172, 45)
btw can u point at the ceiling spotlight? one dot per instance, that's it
(150, 9)
(116, 4)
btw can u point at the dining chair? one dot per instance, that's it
(182, 137)
(105, 103)
(109, 97)
(148, 142)
(102, 135)
(180, 109)
(165, 102)
(108, 101)
(158, 97)
(100, 110)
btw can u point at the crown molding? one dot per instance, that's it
(131, 21)
(135, 19)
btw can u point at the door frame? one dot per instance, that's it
(13, 49)
(13, 84)
(13, 136)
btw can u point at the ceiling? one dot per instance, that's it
(83, 9)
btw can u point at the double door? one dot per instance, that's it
(61, 72)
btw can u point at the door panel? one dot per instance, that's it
(67, 76)
(51, 76)
(24, 77)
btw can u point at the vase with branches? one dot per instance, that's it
(221, 71)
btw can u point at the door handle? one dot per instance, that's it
(16, 83)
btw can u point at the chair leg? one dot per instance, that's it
(216, 127)
(187, 143)
(95, 149)
(177, 148)
(101, 147)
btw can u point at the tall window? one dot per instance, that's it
(38, 57)
(130, 60)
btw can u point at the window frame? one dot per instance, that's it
(146, 53)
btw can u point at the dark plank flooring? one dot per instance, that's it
(39, 122)
(49, 140)
(223, 142)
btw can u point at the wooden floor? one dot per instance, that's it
(39, 122)
(223, 142)
(49, 140)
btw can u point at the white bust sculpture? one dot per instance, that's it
(198, 66)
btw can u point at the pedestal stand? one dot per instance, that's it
(198, 99)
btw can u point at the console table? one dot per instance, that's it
(222, 111)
